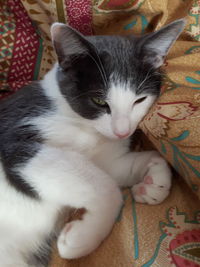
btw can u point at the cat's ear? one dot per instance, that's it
(155, 46)
(68, 43)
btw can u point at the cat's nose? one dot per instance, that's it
(122, 135)
(121, 126)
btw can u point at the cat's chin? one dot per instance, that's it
(114, 137)
(108, 136)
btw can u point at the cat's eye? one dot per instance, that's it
(99, 101)
(140, 100)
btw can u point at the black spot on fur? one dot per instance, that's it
(20, 141)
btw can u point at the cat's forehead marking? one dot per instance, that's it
(119, 82)
(120, 96)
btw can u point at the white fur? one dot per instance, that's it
(79, 165)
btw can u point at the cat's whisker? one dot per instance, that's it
(100, 68)
(150, 76)
(96, 92)
(145, 79)
(76, 97)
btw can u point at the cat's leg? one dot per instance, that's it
(147, 172)
(69, 179)
(102, 200)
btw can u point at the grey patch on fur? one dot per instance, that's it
(42, 256)
(19, 141)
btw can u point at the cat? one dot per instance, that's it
(64, 142)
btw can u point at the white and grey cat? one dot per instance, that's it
(64, 142)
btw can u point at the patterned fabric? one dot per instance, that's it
(181, 238)
(166, 235)
(26, 51)
(80, 15)
(163, 235)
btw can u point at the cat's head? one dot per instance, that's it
(112, 80)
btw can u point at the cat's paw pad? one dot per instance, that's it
(74, 241)
(156, 184)
(149, 193)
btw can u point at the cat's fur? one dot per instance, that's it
(60, 149)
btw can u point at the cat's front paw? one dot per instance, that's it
(156, 184)
(74, 241)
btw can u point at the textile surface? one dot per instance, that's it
(163, 235)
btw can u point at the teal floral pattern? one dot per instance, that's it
(194, 28)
